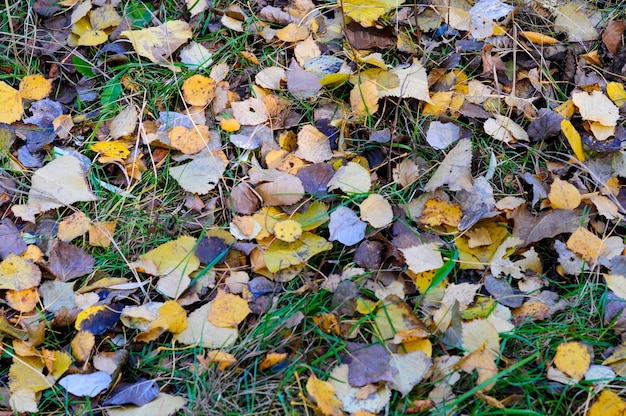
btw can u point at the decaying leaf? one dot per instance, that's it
(158, 43)
(455, 170)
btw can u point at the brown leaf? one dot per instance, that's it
(532, 228)
(369, 37)
(243, 199)
(612, 36)
(370, 364)
(67, 262)
(285, 190)
(11, 239)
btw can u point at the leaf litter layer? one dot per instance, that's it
(293, 208)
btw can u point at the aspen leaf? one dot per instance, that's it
(111, 151)
(198, 90)
(596, 106)
(586, 244)
(323, 393)
(364, 98)
(271, 359)
(285, 190)
(271, 78)
(504, 129)
(573, 138)
(608, 404)
(313, 145)
(228, 310)
(293, 33)
(617, 283)
(346, 227)
(18, 274)
(195, 7)
(352, 178)
(250, 112)
(23, 300)
(35, 87)
(101, 233)
(422, 258)
(12, 109)
(480, 333)
(200, 175)
(367, 12)
(573, 359)
(288, 230)
(189, 141)
(439, 212)
(73, 226)
(281, 255)
(412, 83)
(82, 345)
(563, 195)
(616, 93)
(223, 359)
(229, 125)
(158, 43)
(61, 182)
(203, 333)
(376, 210)
(570, 18)
(455, 170)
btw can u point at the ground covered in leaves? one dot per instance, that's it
(296, 207)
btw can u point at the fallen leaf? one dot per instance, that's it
(203, 333)
(139, 393)
(455, 170)
(35, 87)
(412, 83)
(376, 210)
(352, 178)
(189, 141)
(98, 319)
(596, 106)
(158, 43)
(573, 138)
(288, 230)
(23, 300)
(422, 258)
(607, 404)
(563, 195)
(370, 364)
(570, 18)
(68, 262)
(250, 112)
(573, 359)
(586, 244)
(86, 385)
(228, 310)
(82, 345)
(346, 227)
(539, 38)
(313, 145)
(123, 124)
(504, 129)
(18, 274)
(200, 175)
(439, 212)
(286, 189)
(281, 255)
(323, 393)
(198, 90)
(408, 370)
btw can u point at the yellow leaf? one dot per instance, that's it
(563, 195)
(23, 300)
(566, 109)
(82, 345)
(586, 244)
(573, 138)
(293, 33)
(158, 43)
(189, 141)
(596, 106)
(423, 280)
(73, 226)
(281, 255)
(92, 38)
(198, 90)
(323, 393)
(61, 362)
(397, 317)
(202, 332)
(479, 334)
(616, 92)
(228, 310)
(271, 359)
(313, 145)
(314, 216)
(249, 56)
(172, 317)
(222, 358)
(364, 98)
(534, 311)
(479, 256)
(25, 374)
(539, 38)
(229, 125)
(573, 359)
(439, 212)
(11, 99)
(113, 150)
(608, 404)
(440, 103)
(352, 178)
(18, 274)
(101, 233)
(35, 87)
(104, 17)
(367, 12)
(288, 230)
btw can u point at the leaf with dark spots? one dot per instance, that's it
(11, 239)
(139, 393)
(211, 250)
(370, 364)
(68, 262)
(369, 37)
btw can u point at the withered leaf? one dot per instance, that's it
(68, 262)
(361, 37)
(12, 241)
(211, 249)
(532, 228)
(315, 177)
(370, 364)
(369, 254)
(244, 200)
(546, 125)
(138, 393)
(612, 35)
